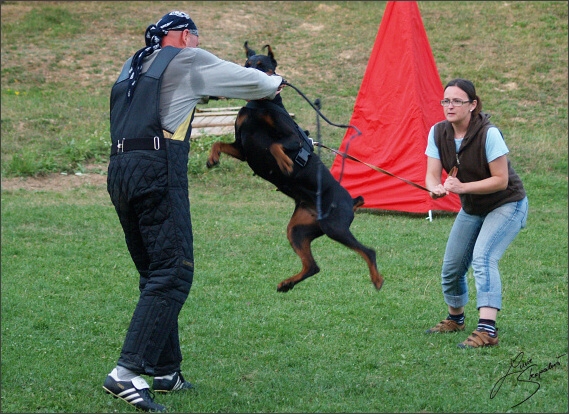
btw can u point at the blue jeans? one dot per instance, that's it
(480, 241)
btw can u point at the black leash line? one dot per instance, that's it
(317, 106)
(318, 110)
(319, 171)
(345, 155)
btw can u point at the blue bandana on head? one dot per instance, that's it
(174, 20)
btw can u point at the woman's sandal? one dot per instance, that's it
(479, 339)
(444, 326)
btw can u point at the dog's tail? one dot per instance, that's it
(358, 202)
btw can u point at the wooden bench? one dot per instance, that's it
(215, 121)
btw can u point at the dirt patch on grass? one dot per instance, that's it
(56, 182)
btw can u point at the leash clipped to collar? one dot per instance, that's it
(345, 155)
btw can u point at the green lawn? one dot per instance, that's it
(333, 343)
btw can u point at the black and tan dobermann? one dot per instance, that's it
(276, 149)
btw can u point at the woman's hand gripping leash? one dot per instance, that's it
(443, 190)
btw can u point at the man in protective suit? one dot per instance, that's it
(152, 106)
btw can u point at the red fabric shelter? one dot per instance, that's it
(398, 102)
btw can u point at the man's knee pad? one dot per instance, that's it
(185, 278)
(171, 278)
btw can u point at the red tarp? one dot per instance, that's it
(398, 102)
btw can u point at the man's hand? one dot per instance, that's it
(282, 85)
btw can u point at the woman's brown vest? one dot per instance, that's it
(473, 165)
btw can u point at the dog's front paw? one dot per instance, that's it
(286, 165)
(283, 161)
(211, 163)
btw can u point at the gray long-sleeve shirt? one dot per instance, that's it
(195, 74)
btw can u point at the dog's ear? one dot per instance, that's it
(248, 51)
(271, 55)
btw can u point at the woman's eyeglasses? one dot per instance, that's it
(454, 102)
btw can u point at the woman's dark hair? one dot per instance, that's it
(470, 90)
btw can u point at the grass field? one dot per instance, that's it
(332, 344)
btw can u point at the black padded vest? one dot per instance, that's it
(140, 118)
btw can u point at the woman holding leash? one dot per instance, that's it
(494, 208)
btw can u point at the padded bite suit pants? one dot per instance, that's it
(149, 190)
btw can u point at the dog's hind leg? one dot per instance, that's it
(369, 256)
(301, 230)
(342, 234)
